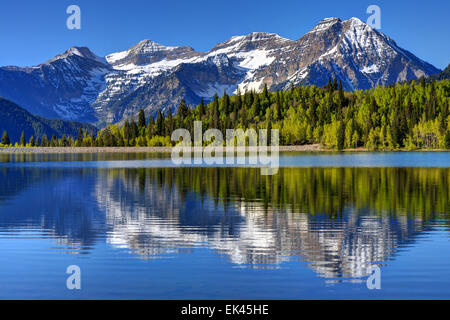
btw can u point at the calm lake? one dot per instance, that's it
(140, 227)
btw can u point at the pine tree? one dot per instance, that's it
(151, 128)
(396, 131)
(54, 141)
(235, 114)
(80, 135)
(341, 135)
(126, 130)
(159, 123)
(329, 85)
(134, 130)
(341, 95)
(215, 115)
(433, 100)
(182, 113)
(5, 139)
(169, 123)
(422, 81)
(447, 140)
(278, 114)
(244, 119)
(256, 108)
(23, 142)
(45, 142)
(32, 142)
(141, 119)
(443, 118)
(201, 108)
(190, 125)
(269, 130)
(266, 92)
(238, 100)
(237, 106)
(248, 99)
(64, 142)
(335, 85)
(226, 103)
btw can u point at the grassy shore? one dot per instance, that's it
(314, 147)
(70, 150)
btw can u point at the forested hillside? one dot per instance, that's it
(412, 115)
(15, 120)
(445, 74)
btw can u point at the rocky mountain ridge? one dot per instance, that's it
(78, 85)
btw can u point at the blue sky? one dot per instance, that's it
(31, 32)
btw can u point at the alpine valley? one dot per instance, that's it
(80, 86)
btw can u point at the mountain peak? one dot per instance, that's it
(250, 42)
(147, 52)
(356, 20)
(149, 46)
(325, 24)
(80, 51)
(259, 35)
(83, 52)
(255, 36)
(329, 20)
(356, 23)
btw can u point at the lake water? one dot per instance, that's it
(141, 228)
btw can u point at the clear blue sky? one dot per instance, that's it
(32, 31)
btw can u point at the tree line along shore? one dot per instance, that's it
(304, 148)
(408, 116)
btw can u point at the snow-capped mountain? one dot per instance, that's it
(64, 87)
(78, 85)
(355, 53)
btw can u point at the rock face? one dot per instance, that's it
(78, 85)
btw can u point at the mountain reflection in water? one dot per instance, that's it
(339, 221)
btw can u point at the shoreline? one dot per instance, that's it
(73, 150)
(76, 150)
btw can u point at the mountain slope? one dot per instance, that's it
(188, 81)
(81, 86)
(64, 87)
(14, 120)
(445, 74)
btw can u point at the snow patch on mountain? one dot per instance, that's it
(370, 69)
(255, 59)
(218, 88)
(114, 57)
(153, 69)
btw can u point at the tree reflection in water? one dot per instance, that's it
(339, 221)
